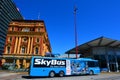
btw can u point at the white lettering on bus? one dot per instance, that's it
(47, 62)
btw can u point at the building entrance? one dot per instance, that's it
(113, 67)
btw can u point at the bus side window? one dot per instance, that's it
(92, 64)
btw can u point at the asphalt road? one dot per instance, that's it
(24, 76)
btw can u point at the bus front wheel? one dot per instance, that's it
(52, 74)
(61, 73)
(91, 72)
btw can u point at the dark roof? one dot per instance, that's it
(99, 42)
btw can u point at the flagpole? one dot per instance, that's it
(76, 46)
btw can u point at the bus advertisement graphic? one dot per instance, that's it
(78, 67)
(68, 68)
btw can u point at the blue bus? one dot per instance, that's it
(43, 66)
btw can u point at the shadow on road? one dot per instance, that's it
(35, 77)
(30, 77)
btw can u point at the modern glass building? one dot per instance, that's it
(8, 11)
(106, 50)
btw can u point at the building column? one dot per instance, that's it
(28, 47)
(5, 49)
(13, 43)
(3, 61)
(16, 45)
(43, 50)
(24, 63)
(69, 55)
(18, 63)
(31, 46)
(116, 62)
(27, 63)
(5, 46)
(18, 50)
(41, 45)
(108, 66)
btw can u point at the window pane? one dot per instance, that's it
(92, 64)
(8, 49)
(36, 50)
(23, 49)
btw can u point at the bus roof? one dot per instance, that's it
(83, 59)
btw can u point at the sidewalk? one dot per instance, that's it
(4, 75)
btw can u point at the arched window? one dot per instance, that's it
(26, 29)
(36, 50)
(25, 39)
(12, 28)
(10, 39)
(38, 29)
(37, 40)
(8, 49)
(23, 49)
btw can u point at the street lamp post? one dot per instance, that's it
(75, 9)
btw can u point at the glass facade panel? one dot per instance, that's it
(8, 12)
(110, 51)
(111, 58)
(118, 59)
(117, 50)
(102, 60)
(107, 56)
(98, 50)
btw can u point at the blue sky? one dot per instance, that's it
(95, 18)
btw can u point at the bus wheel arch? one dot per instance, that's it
(51, 73)
(91, 72)
(61, 73)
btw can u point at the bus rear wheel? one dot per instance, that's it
(52, 74)
(61, 73)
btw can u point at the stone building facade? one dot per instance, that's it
(25, 38)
